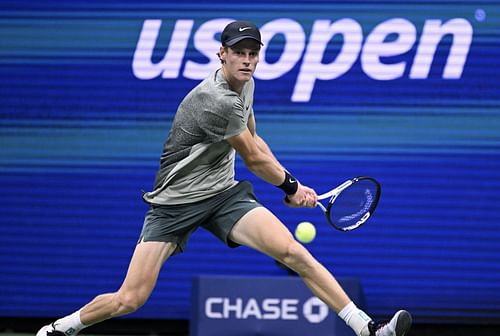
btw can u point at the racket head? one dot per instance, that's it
(353, 203)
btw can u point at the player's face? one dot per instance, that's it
(241, 60)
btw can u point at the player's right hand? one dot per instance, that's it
(305, 197)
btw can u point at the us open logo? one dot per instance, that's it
(370, 49)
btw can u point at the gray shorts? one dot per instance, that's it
(218, 214)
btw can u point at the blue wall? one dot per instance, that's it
(84, 112)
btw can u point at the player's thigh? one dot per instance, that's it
(145, 265)
(262, 230)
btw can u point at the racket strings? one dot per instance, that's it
(350, 208)
(366, 204)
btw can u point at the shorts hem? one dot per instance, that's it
(178, 249)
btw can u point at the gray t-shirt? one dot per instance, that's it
(197, 161)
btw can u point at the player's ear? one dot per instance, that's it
(222, 54)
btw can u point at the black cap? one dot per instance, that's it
(239, 30)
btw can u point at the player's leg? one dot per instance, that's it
(139, 282)
(261, 230)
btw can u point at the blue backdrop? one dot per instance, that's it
(407, 92)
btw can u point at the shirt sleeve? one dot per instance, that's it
(224, 119)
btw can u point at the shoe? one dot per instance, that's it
(399, 325)
(49, 330)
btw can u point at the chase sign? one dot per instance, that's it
(278, 306)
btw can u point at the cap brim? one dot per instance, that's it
(232, 42)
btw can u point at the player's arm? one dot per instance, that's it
(259, 141)
(259, 159)
(259, 162)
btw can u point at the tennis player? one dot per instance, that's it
(195, 186)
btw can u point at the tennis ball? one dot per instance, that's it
(305, 232)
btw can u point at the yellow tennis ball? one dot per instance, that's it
(305, 232)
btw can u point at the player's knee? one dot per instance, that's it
(128, 301)
(296, 257)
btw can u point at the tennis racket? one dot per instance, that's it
(351, 203)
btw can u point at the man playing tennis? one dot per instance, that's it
(195, 186)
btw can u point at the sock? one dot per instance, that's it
(356, 319)
(70, 325)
